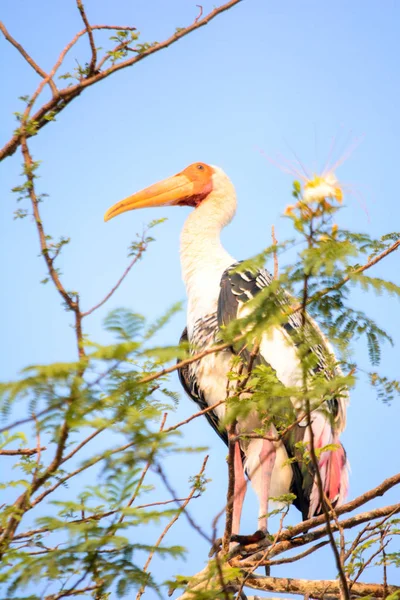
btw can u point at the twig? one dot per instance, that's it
(189, 361)
(266, 552)
(168, 527)
(291, 559)
(81, 444)
(92, 65)
(368, 562)
(200, 13)
(25, 420)
(195, 416)
(64, 96)
(72, 592)
(146, 468)
(22, 504)
(275, 242)
(385, 581)
(85, 466)
(73, 304)
(318, 295)
(193, 524)
(22, 451)
(136, 258)
(98, 517)
(28, 58)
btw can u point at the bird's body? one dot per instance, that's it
(217, 293)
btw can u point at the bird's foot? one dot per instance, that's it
(261, 535)
(253, 538)
(236, 541)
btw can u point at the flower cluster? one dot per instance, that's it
(320, 195)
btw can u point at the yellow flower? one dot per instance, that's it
(321, 187)
(289, 210)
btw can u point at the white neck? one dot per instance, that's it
(203, 258)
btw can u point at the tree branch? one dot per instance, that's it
(70, 302)
(92, 65)
(28, 58)
(168, 527)
(137, 257)
(316, 589)
(22, 451)
(298, 541)
(64, 96)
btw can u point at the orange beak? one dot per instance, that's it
(169, 192)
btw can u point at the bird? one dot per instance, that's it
(217, 293)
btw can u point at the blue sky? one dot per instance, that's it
(266, 79)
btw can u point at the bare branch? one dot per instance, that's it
(25, 420)
(92, 65)
(136, 258)
(146, 468)
(168, 527)
(28, 58)
(73, 304)
(195, 416)
(200, 13)
(66, 95)
(72, 592)
(316, 589)
(196, 527)
(22, 451)
(291, 559)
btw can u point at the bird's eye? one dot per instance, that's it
(200, 167)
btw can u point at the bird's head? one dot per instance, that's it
(199, 185)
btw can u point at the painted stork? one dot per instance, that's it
(216, 295)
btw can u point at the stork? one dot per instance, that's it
(217, 293)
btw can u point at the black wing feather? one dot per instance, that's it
(191, 388)
(236, 289)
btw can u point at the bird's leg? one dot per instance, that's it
(239, 489)
(239, 493)
(267, 461)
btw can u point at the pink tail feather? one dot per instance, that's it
(333, 466)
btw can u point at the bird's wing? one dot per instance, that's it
(236, 289)
(190, 386)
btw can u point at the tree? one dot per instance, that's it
(92, 539)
